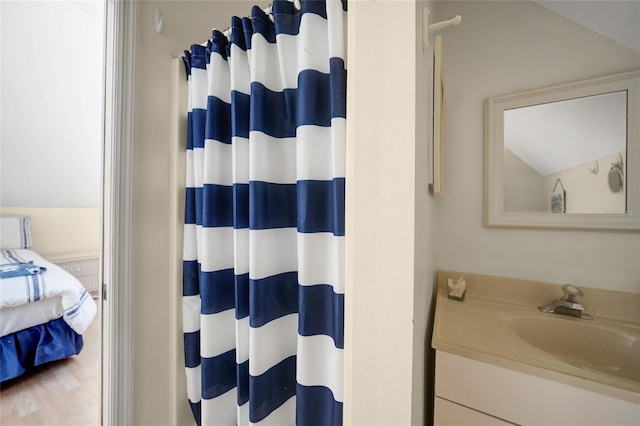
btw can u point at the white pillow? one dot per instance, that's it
(15, 232)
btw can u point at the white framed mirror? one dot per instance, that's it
(565, 156)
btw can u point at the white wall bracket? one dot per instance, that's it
(426, 28)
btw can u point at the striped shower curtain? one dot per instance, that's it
(263, 295)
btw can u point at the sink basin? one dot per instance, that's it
(601, 346)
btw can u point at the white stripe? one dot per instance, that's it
(320, 363)
(272, 159)
(284, 415)
(272, 343)
(189, 167)
(294, 53)
(198, 166)
(220, 410)
(272, 252)
(217, 253)
(321, 151)
(189, 89)
(199, 241)
(243, 414)
(242, 340)
(321, 256)
(194, 386)
(337, 19)
(219, 81)
(190, 246)
(198, 88)
(217, 333)
(241, 247)
(190, 313)
(240, 77)
(240, 159)
(218, 164)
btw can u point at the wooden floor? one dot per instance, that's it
(65, 392)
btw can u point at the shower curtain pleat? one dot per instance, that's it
(263, 287)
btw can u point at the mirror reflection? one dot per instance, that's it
(567, 156)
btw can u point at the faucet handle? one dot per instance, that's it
(572, 292)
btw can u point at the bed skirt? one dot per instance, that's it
(37, 345)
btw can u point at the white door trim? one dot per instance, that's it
(117, 246)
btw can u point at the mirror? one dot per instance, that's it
(565, 156)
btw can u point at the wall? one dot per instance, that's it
(59, 232)
(504, 47)
(524, 188)
(51, 104)
(390, 220)
(51, 114)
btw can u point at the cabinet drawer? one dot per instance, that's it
(449, 413)
(524, 398)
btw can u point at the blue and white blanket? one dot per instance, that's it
(78, 306)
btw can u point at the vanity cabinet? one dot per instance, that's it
(472, 392)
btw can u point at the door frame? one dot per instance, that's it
(117, 364)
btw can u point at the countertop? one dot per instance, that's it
(476, 328)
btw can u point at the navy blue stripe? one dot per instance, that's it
(198, 124)
(278, 114)
(186, 60)
(321, 206)
(272, 297)
(273, 113)
(314, 98)
(217, 291)
(196, 409)
(322, 313)
(190, 283)
(237, 32)
(240, 205)
(197, 57)
(272, 389)
(240, 107)
(189, 130)
(198, 208)
(192, 349)
(218, 122)
(243, 383)
(190, 206)
(338, 81)
(315, 405)
(218, 374)
(242, 295)
(287, 18)
(272, 205)
(217, 202)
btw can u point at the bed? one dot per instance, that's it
(44, 310)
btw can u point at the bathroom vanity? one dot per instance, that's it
(500, 360)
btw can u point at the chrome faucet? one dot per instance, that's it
(567, 305)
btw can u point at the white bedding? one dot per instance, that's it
(59, 293)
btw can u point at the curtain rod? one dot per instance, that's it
(268, 10)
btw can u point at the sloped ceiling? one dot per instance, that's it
(617, 20)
